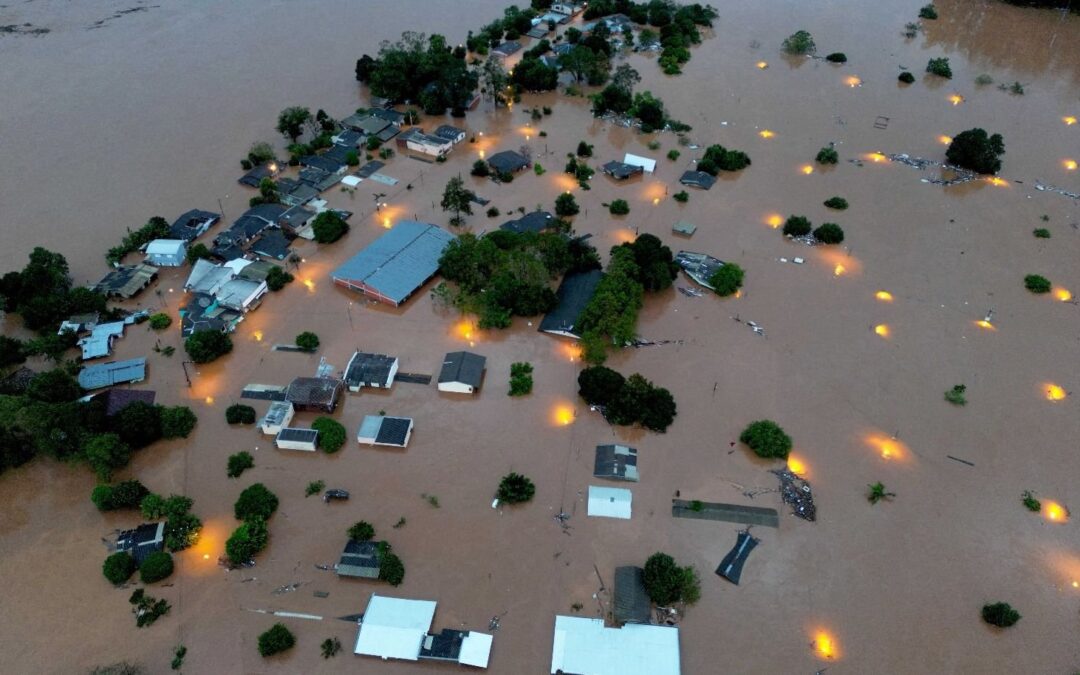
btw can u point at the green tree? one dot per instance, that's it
(727, 279)
(838, 203)
(766, 439)
(827, 155)
(204, 346)
(619, 207)
(291, 122)
(1000, 614)
(532, 74)
(906, 77)
(118, 567)
(391, 569)
(328, 227)
(160, 321)
(239, 463)
(277, 639)
(939, 67)
(797, 226)
(332, 434)
(255, 501)
(650, 110)
(799, 42)
(126, 494)
(53, 386)
(829, 233)
(599, 385)
(655, 264)
(138, 424)
(197, 251)
(247, 540)
(521, 380)
(515, 489)
(155, 567)
(458, 199)
(276, 278)
(12, 351)
(976, 151)
(362, 531)
(177, 421)
(718, 158)
(480, 169)
(307, 341)
(566, 205)
(106, 452)
(1036, 283)
(238, 413)
(663, 579)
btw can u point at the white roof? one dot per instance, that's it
(351, 181)
(475, 649)
(206, 277)
(165, 247)
(586, 647)
(394, 628)
(609, 502)
(237, 264)
(644, 162)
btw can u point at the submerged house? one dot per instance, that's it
(617, 462)
(395, 265)
(167, 252)
(126, 281)
(142, 541)
(462, 372)
(276, 418)
(115, 372)
(698, 179)
(622, 170)
(698, 266)
(732, 565)
(292, 438)
(453, 134)
(202, 312)
(631, 602)
(192, 224)
(575, 292)
(384, 430)
(397, 628)
(315, 394)
(608, 502)
(99, 342)
(508, 161)
(370, 370)
(587, 647)
(416, 140)
(536, 221)
(359, 560)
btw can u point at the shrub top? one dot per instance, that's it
(766, 439)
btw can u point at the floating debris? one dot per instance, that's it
(690, 292)
(796, 491)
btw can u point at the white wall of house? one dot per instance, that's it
(307, 446)
(429, 147)
(456, 387)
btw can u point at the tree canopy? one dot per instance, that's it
(332, 434)
(41, 293)
(976, 151)
(766, 439)
(328, 227)
(204, 346)
(277, 639)
(515, 489)
(291, 122)
(457, 199)
(718, 158)
(727, 279)
(419, 69)
(667, 583)
(255, 501)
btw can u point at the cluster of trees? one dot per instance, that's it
(276, 278)
(420, 69)
(667, 583)
(328, 227)
(147, 610)
(610, 318)
(619, 98)
(727, 279)
(718, 158)
(799, 43)
(391, 568)
(275, 640)
(514, 23)
(532, 74)
(42, 294)
(204, 346)
(625, 401)
(238, 413)
(254, 507)
(155, 228)
(505, 274)
(181, 529)
(678, 25)
(521, 379)
(239, 463)
(826, 233)
(976, 151)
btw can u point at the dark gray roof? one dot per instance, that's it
(464, 367)
(322, 162)
(254, 177)
(272, 244)
(697, 179)
(507, 48)
(699, 266)
(616, 461)
(448, 132)
(142, 541)
(621, 170)
(359, 559)
(349, 137)
(268, 212)
(117, 399)
(631, 603)
(127, 280)
(537, 221)
(339, 153)
(245, 228)
(732, 565)
(397, 263)
(296, 216)
(312, 175)
(192, 223)
(293, 434)
(314, 392)
(574, 293)
(508, 161)
(203, 313)
(368, 369)
(370, 168)
(388, 115)
(393, 430)
(563, 48)
(444, 646)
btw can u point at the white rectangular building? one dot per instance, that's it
(609, 502)
(637, 160)
(397, 628)
(297, 439)
(277, 418)
(166, 252)
(586, 647)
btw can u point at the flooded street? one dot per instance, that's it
(150, 113)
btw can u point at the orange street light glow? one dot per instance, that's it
(774, 220)
(1054, 512)
(1000, 182)
(1070, 164)
(853, 81)
(258, 335)
(310, 285)
(655, 201)
(796, 465)
(1054, 392)
(1069, 120)
(882, 330)
(762, 65)
(876, 157)
(825, 645)
(945, 140)
(571, 351)
(807, 169)
(563, 415)
(765, 133)
(386, 222)
(209, 400)
(464, 329)
(838, 270)
(883, 296)
(983, 323)
(481, 154)
(956, 99)
(888, 447)
(1062, 294)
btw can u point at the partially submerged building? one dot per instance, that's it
(462, 372)
(293, 438)
(102, 375)
(646, 164)
(202, 312)
(453, 134)
(631, 602)
(359, 560)
(698, 179)
(116, 400)
(397, 628)
(395, 265)
(415, 140)
(508, 161)
(314, 394)
(622, 170)
(698, 266)
(192, 224)
(384, 430)
(575, 292)
(167, 252)
(277, 418)
(142, 541)
(587, 647)
(607, 502)
(616, 462)
(370, 370)
(536, 222)
(99, 342)
(126, 281)
(731, 566)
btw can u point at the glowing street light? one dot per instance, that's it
(956, 99)
(853, 81)
(1069, 120)
(762, 65)
(765, 133)
(807, 169)
(1054, 512)
(1063, 294)
(1069, 164)
(884, 296)
(774, 220)
(882, 330)
(944, 140)
(1054, 392)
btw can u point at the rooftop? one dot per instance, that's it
(127, 280)
(384, 430)
(575, 291)
(394, 628)
(508, 161)
(464, 367)
(631, 602)
(118, 399)
(115, 372)
(609, 502)
(321, 392)
(622, 170)
(192, 223)
(697, 179)
(698, 266)
(587, 647)
(359, 559)
(616, 461)
(397, 263)
(370, 370)
(536, 221)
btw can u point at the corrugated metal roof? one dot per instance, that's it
(399, 262)
(585, 646)
(106, 374)
(394, 628)
(609, 502)
(464, 367)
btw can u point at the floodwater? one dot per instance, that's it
(149, 114)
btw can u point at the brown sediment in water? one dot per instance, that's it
(149, 115)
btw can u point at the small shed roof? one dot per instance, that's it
(475, 649)
(609, 502)
(622, 170)
(464, 367)
(684, 228)
(508, 161)
(313, 391)
(359, 559)
(731, 566)
(386, 430)
(536, 221)
(631, 603)
(697, 179)
(166, 247)
(277, 414)
(370, 370)
(394, 628)
(297, 435)
(115, 372)
(649, 165)
(616, 461)
(450, 133)
(118, 399)
(127, 280)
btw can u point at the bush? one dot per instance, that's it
(276, 278)
(639, 400)
(362, 531)
(829, 233)
(246, 541)
(330, 647)
(329, 227)
(956, 395)
(599, 385)
(1041, 233)
(619, 207)
(255, 501)
(538, 170)
(275, 640)
(391, 569)
(584, 149)
(314, 487)
(838, 203)
(837, 57)
(766, 439)
(1036, 283)
(238, 413)
(493, 212)
(666, 583)
(906, 77)
(105, 452)
(331, 434)
(976, 151)
(797, 226)
(1000, 614)
(718, 158)
(480, 168)
(205, 346)
(521, 381)
(928, 12)
(515, 489)
(177, 421)
(673, 155)
(566, 205)
(118, 567)
(155, 567)
(160, 321)
(827, 155)
(727, 279)
(307, 341)
(799, 42)
(681, 196)
(352, 158)
(984, 80)
(126, 494)
(939, 67)
(239, 463)
(1030, 503)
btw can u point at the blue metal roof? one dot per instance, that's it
(399, 262)
(115, 372)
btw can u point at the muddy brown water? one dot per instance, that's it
(149, 113)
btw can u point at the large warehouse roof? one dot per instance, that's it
(393, 266)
